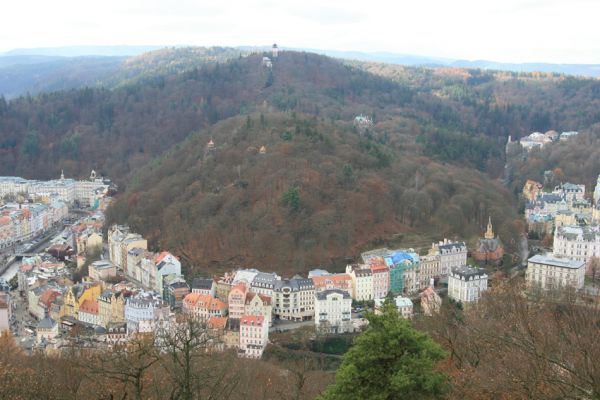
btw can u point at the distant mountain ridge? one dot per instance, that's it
(38, 70)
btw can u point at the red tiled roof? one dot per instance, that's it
(48, 297)
(89, 306)
(265, 299)
(217, 322)
(252, 320)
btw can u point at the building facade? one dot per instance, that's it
(467, 284)
(333, 311)
(548, 272)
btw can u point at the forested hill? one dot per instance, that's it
(320, 193)
(458, 116)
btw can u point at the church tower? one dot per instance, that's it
(489, 233)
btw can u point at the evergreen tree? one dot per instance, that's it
(390, 360)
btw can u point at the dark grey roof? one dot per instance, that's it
(468, 272)
(203, 284)
(455, 246)
(363, 272)
(264, 279)
(488, 245)
(177, 285)
(294, 284)
(233, 324)
(47, 323)
(323, 295)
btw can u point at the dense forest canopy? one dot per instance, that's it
(325, 189)
(320, 194)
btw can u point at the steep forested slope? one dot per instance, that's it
(322, 193)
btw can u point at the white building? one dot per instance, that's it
(264, 283)
(254, 336)
(144, 308)
(466, 284)
(452, 255)
(294, 299)
(550, 272)
(333, 311)
(579, 243)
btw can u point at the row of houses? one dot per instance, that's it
(85, 192)
(20, 222)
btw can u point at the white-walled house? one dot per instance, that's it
(333, 311)
(466, 284)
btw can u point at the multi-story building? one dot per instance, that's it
(259, 304)
(333, 281)
(254, 336)
(264, 283)
(204, 286)
(111, 308)
(430, 268)
(362, 282)
(294, 299)
(549, 272)
(579, 243)
(102, 270)
(203, 307)
(381, 279)
(404, 266)
(452, 255)
(120, 241)
(5, 312)
(466, 284)
(571, 191)
(175, 288)
(237, 300)
(88, 313)
(144, 308)
(333, 308)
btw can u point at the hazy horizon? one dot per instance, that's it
(510, 31)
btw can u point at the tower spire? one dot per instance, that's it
(489, 233)
(62, 174)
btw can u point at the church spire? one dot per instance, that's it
(62, 175)
(489, 233)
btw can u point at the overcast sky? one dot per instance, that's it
(557, 31)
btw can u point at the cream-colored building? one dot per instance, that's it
(294, 299)
(550, 272)
(102, 270)
(259, 304)
(362, 282)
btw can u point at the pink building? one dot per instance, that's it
(381, 279)
(254, 335)
(237, 300)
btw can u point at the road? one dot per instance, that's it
(14, 266)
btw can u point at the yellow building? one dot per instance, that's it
(111, 308)
(77, 294)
